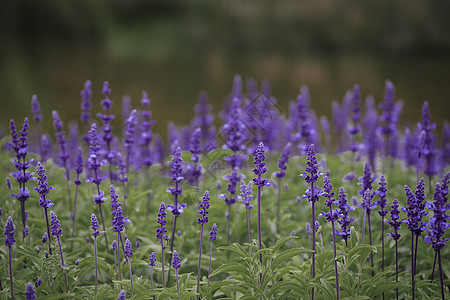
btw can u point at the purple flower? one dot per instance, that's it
(38, 282)
(35, 109)
(78, 166)
(328, 193)
(114, 199)
(122, 295)
(30, 293)
(429, 150)
(54, 223)
(130, 125)
(94, 225)
(128, 249)
(86, 105)
(213, 233)
(43, 188)
(138, 244)
(283, 161)
(344, 210)
(260, 166)
(160, 232)
(367, 201)
(100, 198)
(176, 262)
(94, 161)
(382, 202)
(9, 232)
(118, 221)
(194, 146)
(306, 130)
(204, 205)
(438, 223)
(415, 209)
(313, 170)
(177, 173)
(44, 238)
(114, 245)
(152, 259)
(233, 179)
(366, 180)
(246, 194)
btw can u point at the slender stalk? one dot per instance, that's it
(335, 261)
(48, 232)
(313, 237)
(210, 256)
(249, 227)
(441, 276)
(96, 266)
(131, 277)
(396, 267)
(259, 221)
(382, 245)
(278, 205)
(104, 228)
(434, 267)
(151, 277)
(415, 254)
(228, 228)
(199, 262)
(10, 273)
(118, 256)
(74, 210)
(362, 243)
(178, 286)
(370, 242)
(62, 264)
(162, 265)
(412, 266)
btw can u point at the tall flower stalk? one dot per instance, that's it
(37, 116)
(128, 254)
(311, 176)
(118, 224)
(128, 142)
(382, 203)
(176, 264)
(94, 163)
(152, 264)
(57, 232)
(437, 226)
(63, 156)
(395, 224)
(202, 220)
(212, 238)
(95, 226)
(332, 217)
(177, 177)
(246, 197)
(43, 189)
(344, 220)
(162, 236)
(9, 241)
(230, 199)
(78, 166)
(282, 164)
(259, 170)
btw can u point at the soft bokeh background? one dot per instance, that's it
(175, 49)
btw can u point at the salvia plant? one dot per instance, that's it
(402, 255)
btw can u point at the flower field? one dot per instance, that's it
(255, 203)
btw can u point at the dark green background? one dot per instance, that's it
(175, 49)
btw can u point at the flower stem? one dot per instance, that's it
(104, 228)
(434, 267)
(412, 266)
(396, 267)
(96, 266)
(313, 237)
(278, 205)
(118, 256)
(10, 273)
(48, 232)
(162, 266)
(210, 256)
(151, 277)
(131, 277)
(335, 261)
(62, 264)
(199, 261)
(249, 226)
(370, 242)
(178, 286)
(441, 276)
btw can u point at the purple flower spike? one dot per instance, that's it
(176, 169)
(30, 293)
(213, 233)
(36, 109)
(382, 202)
(260, 167)
(9, 232)
(122, 295)
(438, 223)
(78, 166)
(204, 205)
(43, 188)
(128, 248)
(394, 221)
(160, 232)
(38, 282)
(152, 259)
(246, 194)
(100, 198)
(283, 161)
(176, 262)
(118, 221)
(95, 225)
(44, 237)
(106, 103)
(344, 210)
(86, 105)
(114, 199)
(54, 222)
(366, 180)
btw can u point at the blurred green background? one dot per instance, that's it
(175, 49)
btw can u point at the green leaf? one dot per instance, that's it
(214, 155)
(286, 255)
